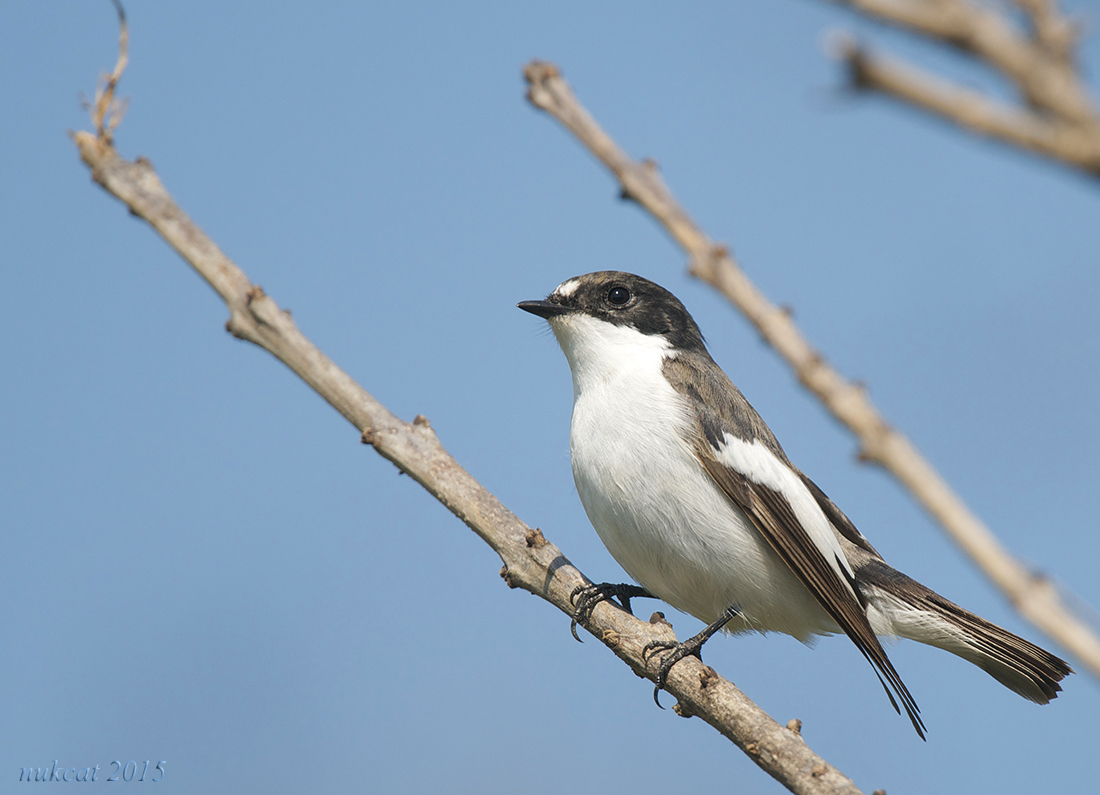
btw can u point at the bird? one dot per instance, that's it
(694, 497)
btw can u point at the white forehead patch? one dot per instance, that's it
(567, 288)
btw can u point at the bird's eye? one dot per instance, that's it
(618, 295)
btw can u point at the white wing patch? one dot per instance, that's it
(759, 464)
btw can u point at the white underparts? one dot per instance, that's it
(653, 505)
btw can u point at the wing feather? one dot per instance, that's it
(741, 454)
(774, 517)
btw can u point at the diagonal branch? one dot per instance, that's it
(1073, 144)
(1047, 80)
(530, 561)
(1033, 596)
(1057, 118)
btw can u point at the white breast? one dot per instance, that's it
(653, 505)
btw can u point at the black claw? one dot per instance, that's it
(585, 598)
(653, 645)
(674, 652)
(577, 596)
(668, 659)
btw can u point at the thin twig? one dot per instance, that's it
(1033, 596)
(107, 112)
(1047, 82)
(1057, 117)
(1072, 144)
(530, 561)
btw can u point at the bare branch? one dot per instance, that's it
(1058, 117)
(1057, 35)
(107, 112)
(1033, 596)
(530, 561)
(1072, 144)
(1047, 81)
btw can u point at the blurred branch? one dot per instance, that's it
(1057, 116)
(1033, 596)
(530, 561)
(1074, 144)
(107, 112)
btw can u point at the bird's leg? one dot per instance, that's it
(674, 652)
(585, 598)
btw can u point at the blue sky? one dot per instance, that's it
(203, 564)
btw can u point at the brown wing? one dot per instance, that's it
(774, 518)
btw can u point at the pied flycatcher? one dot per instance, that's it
(692, 494)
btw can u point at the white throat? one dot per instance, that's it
(599, 352)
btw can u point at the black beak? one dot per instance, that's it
(543, 308)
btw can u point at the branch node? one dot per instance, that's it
(540, 71)
(369, 436)
(235, 325)
(659, 618)
(508, 577)
(842, 46)
(1039, 579)
(611, 638)
(682, 709)
(535, 539)
(420, 421)
(706, 263)
(819, 771)
(537, 74)
(857, 65)
(795, 725)
(707, 677)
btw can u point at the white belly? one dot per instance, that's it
(666, 522)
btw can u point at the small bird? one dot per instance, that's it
(691, 493)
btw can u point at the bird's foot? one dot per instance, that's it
(585, 598)
(674, 652)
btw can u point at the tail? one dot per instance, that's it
(898, 605)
